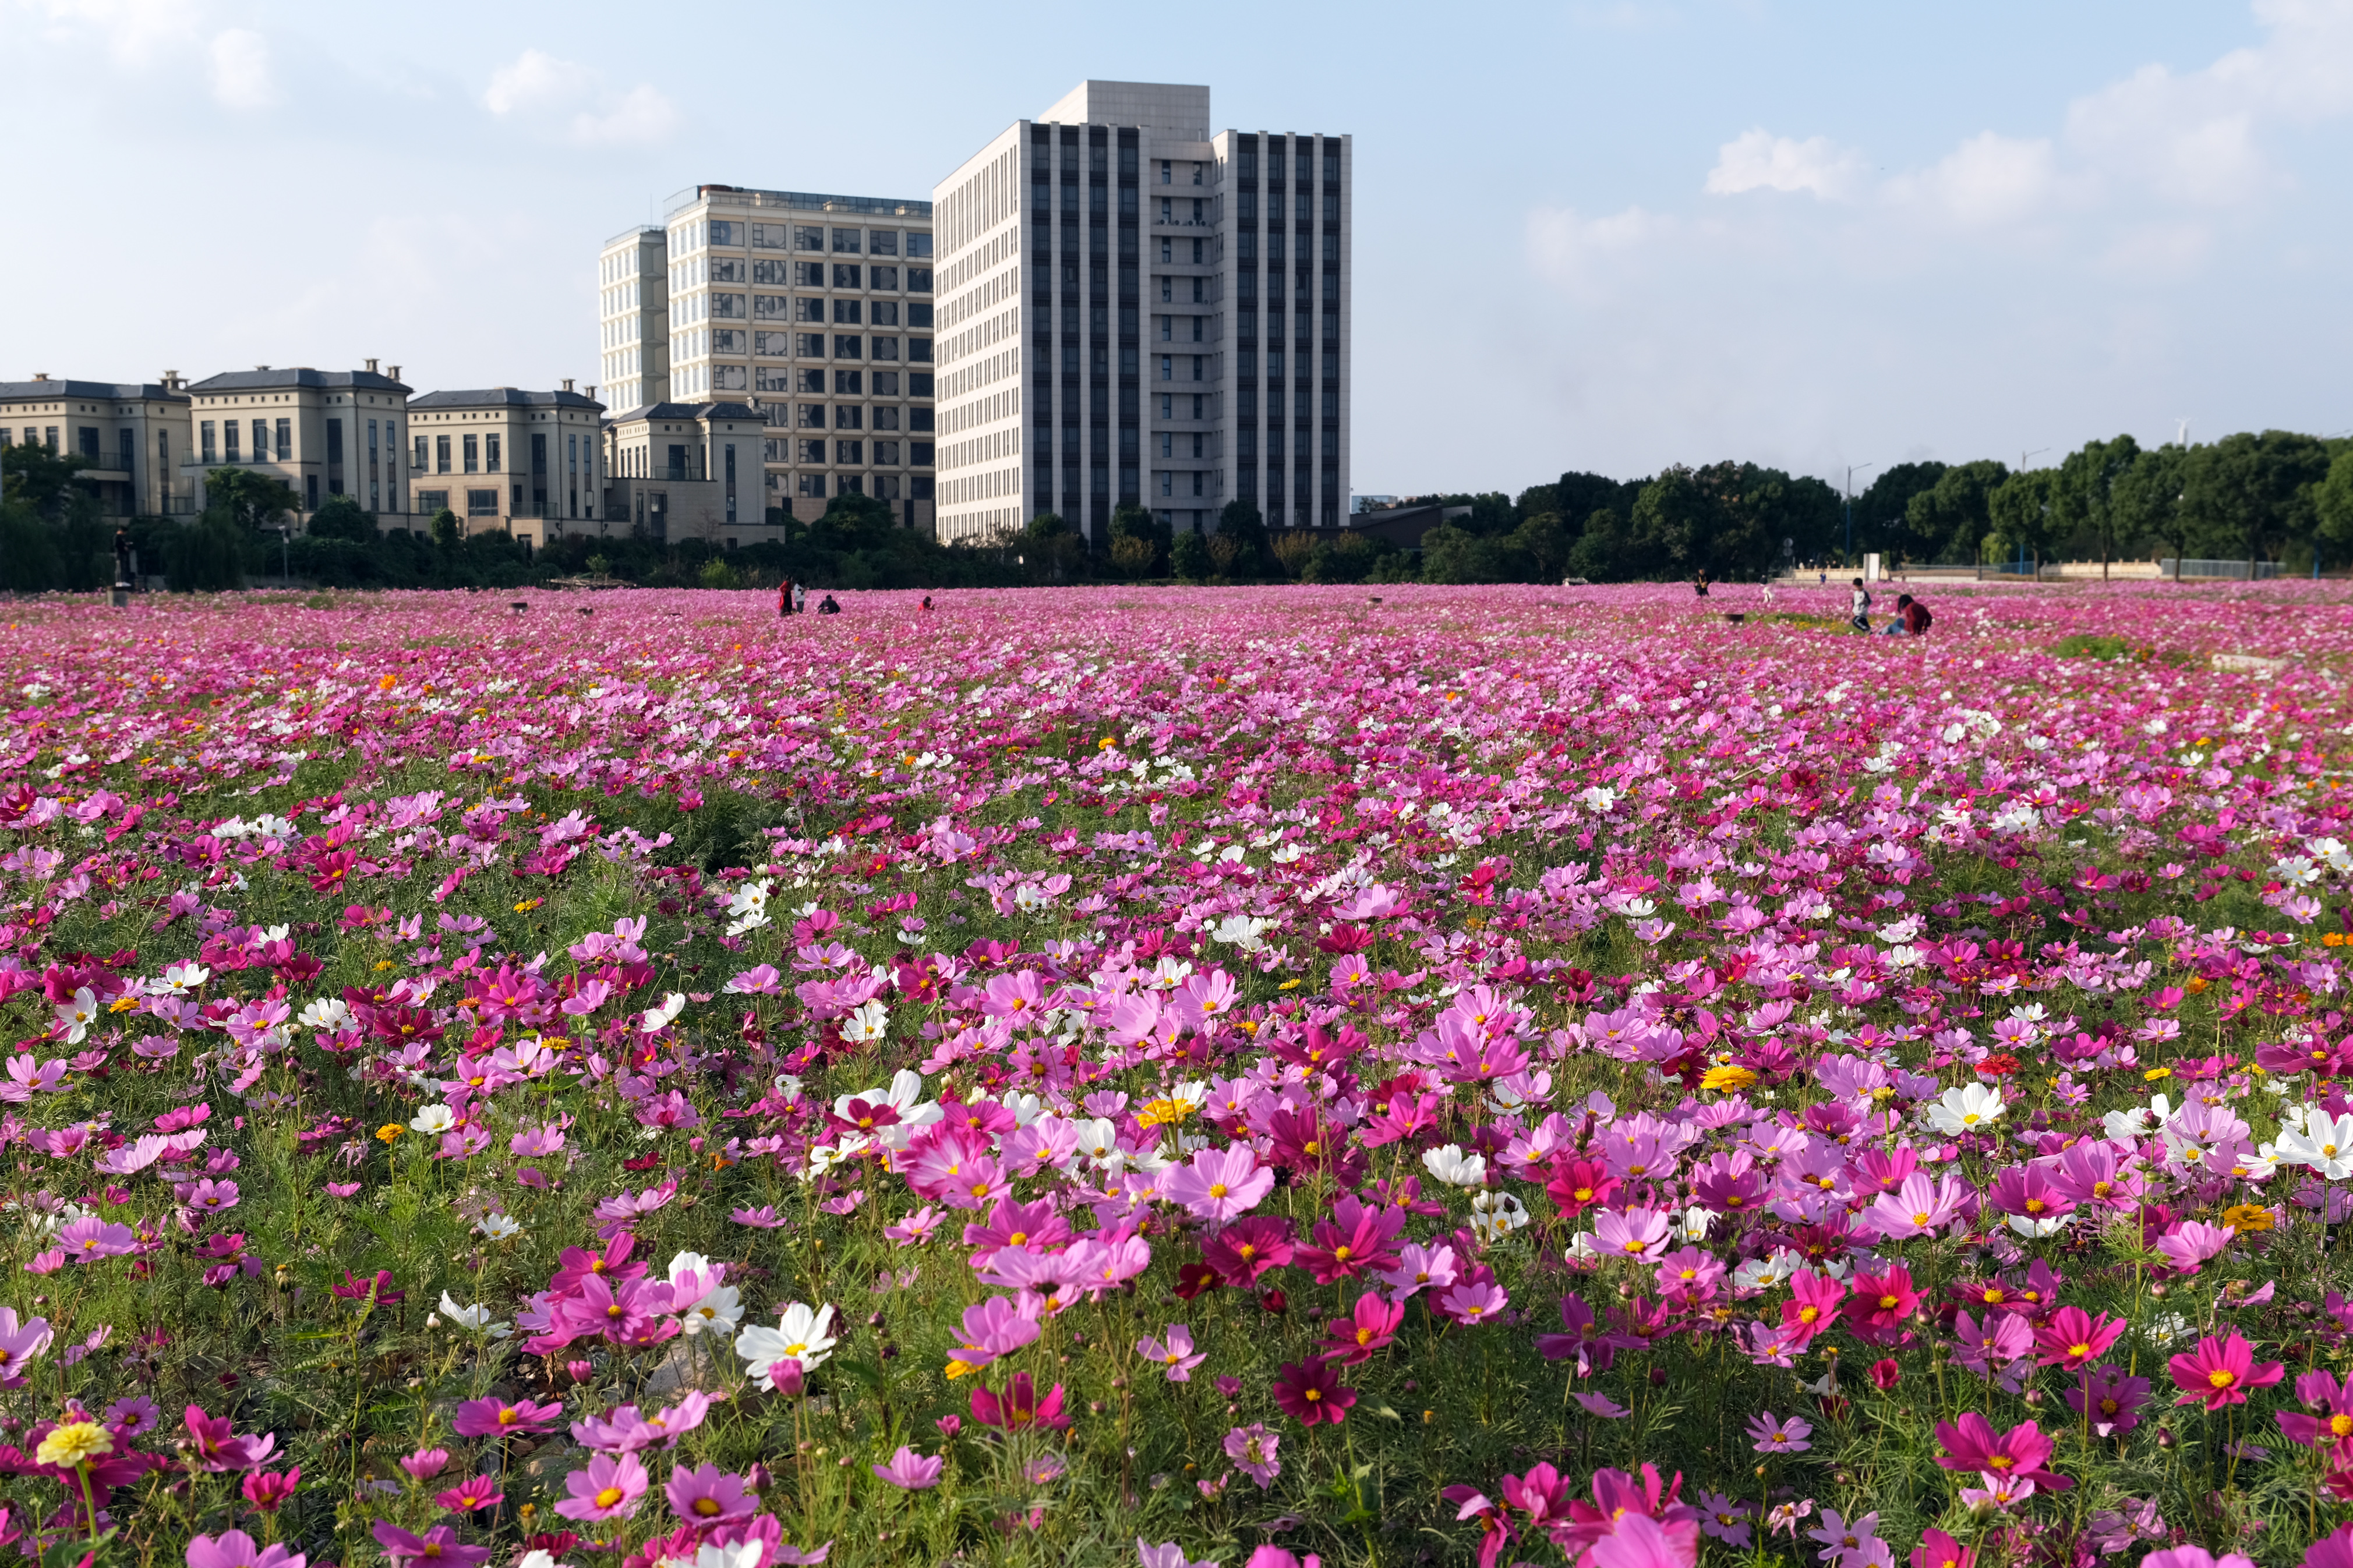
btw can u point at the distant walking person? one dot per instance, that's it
(801, 598)
(1699, 584)
(1861, 618)
(784, 597)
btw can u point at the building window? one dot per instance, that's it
(849, 416)
(886, 454)
(919, 245)
(726, 233)
(727, 307)
(849, 452)
(770, 237)
(885, 418)
(432, 501)
(228, 440)
(885, 242)
(809, 452)
(810, 484)
(920, 454)
(490, 453)
(847, 345)
(482, 504)
(850, 484)
(473, 454)
(811, 416)
(778, 344)
(806, 237)
(846, 241)
(919, 351)
(204, 431)
(882, 277)
(771, 308)
(286, 440)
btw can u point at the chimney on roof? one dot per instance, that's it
(394, 372)
(592, 392)
(371, 365)
(262, 367)
(40, 376)
(171, 381)
(568, 384)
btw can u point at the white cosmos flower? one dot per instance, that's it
(1452, 1165)
(180, 979)
(433, 1118)
(871, 1022)
(659, 1018)
(2324, 1145)
(717, 1313)
(474, 1319)
(76, 1017)
(327, 1015)
(800, 1335)
(1972, 1107)
(2050, 1224)
(499, 1226)
(1494, 1215)
(2126, 1125)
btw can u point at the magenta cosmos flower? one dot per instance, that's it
(707, 1495)
(1970, 1443)
(910, 1471)
(1175, 1350)
(1217, 1184)
(439, 1546)
(1310, 1392)
(2220, 1372)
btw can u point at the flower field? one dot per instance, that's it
(1177, 1077)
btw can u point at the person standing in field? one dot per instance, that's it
(1860, 619)
(784, 597)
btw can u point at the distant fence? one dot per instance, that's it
(2180, 569)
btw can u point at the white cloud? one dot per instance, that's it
(135, 32)
(1988, 181)
(643, 115)
(241, 71)
(539, 88)
(1758, 160)
(1588, 256)
(537, 81)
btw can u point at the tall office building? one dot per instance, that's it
(1135, 310)
(814, 309)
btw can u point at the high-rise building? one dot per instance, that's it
(814, 310)
(1137, 311)
(633, 317)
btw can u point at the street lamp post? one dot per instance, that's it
(1853, 469)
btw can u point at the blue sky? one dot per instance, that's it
(1590, 235)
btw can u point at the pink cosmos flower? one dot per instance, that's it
(1641, 1543)
(425, 1463)
(910, 1471)
(707, 1496)
(1252, 1449)
(439, 1546)
(503, 1418)
(2196, 1557)
(608, 1488)
(2072, 1337)
(1777, 1436)
(20, 1345)
(481, 1492)
(1219, 1184)
(235, 1549)
(1370, 1328)
(2114, 1400)
(88, 1240)
(993, 1328)
(1632, 1233)
(1970, 1443)
(1174, 1350)
(1470, 1304)
(213, 1444)
(2220, 1371)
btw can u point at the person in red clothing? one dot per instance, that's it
(784, 597)
(1911, 618)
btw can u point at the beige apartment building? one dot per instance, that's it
(324, 431)
(529, 463)
(130, 437)
(689, 470)
(813, 311)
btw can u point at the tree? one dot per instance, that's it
(1882, 511)
(1240, 522)
(43, 480)
(2247, 496)
(250, 499)
(342, 517)
(1189, 556)
(29, 556)
(1051, 546)
(1602, 549)
(2021, 510)
(1146, 539)
(1952, 517)
(2085, 493)
(447, 532)
(2333, 505)
(207, 555)
(854, 523)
